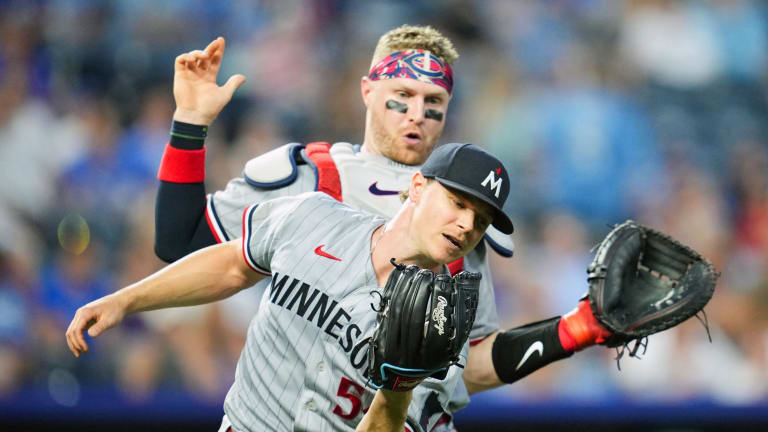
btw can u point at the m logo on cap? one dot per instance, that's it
(495, 183)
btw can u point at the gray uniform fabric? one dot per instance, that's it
(304, 364)
(361, 175)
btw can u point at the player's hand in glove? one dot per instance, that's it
(424, 321)
(198, 98)
(641, 282)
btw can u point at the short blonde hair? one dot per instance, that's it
(415, 37)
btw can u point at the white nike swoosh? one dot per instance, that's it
(536, 346)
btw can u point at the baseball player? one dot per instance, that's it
(406, 92)
(304, 363)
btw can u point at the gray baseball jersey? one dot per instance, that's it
(369, 182)
(305, 358)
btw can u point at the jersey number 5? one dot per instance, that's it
(353, 391)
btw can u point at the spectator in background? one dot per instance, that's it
(30, 160)
(672, 43)
(741, 31)
(18, 309)
(102, 183)
(582, 141)
(15, 316)
(137, 148)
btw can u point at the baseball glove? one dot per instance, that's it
(643, 281)
(422, 324)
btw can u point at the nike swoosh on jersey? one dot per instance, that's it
(535, 347)
(374, 189)
(319, 250)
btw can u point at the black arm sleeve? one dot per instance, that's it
(180, 224)
(522, 350)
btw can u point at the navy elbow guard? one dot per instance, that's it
(521, 350)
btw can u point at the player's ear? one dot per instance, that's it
(366, 90)
(418, 183)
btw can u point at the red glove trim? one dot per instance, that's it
(580, 329)
(182, 166)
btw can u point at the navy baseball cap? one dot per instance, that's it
(470, 169)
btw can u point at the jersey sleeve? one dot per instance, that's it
(487, 318)
(282, 224)
(262, 231)
(224, 209)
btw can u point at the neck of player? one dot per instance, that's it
(392, 241)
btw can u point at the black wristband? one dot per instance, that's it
(187, 136)
(519, 351)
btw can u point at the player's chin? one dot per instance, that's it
(412, 156)
(447, 254)
(414, 153)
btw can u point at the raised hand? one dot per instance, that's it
(198, 98)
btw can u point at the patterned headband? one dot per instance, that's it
(417, 64)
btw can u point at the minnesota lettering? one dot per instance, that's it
(318, 308)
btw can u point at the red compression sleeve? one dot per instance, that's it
(182, 166)
(579, 328)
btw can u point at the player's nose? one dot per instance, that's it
(466, 220)
(416, 110)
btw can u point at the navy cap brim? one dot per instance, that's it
(501, 221)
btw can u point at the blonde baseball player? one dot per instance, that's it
(406, 93)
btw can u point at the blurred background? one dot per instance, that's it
(602, 110)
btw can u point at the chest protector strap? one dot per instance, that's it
(327, 174)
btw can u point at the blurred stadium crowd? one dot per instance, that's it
(603, 110)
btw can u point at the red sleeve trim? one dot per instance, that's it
(211, 224)
(477, 341)
(213, 230)
(182, 166)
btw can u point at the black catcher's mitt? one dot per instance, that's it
(423, 322)
(643, 281)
